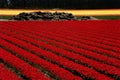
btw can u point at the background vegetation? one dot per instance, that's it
(61, 4)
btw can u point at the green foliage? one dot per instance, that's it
(104, 17)
(108, 17)
(5, 17)
(79, 17)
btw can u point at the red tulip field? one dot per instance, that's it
(60, 50)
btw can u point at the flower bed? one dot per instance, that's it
(60, 50)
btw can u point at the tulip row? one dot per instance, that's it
(82, 70)
(6, 74)
(100, 66)
(103, 54)
(87, 45)
(91, 37)
(28, 25)
(56, 70)
(97, 65)
(99, 50)
(29, 71)
(84, 41)
(95, 55)
(68, 52)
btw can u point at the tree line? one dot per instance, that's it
(62, 4)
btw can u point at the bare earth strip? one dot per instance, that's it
(74, 12)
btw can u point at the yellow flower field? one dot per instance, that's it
(74, 12)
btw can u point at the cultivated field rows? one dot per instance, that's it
(60, 50)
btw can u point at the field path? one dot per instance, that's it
(74, 12)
